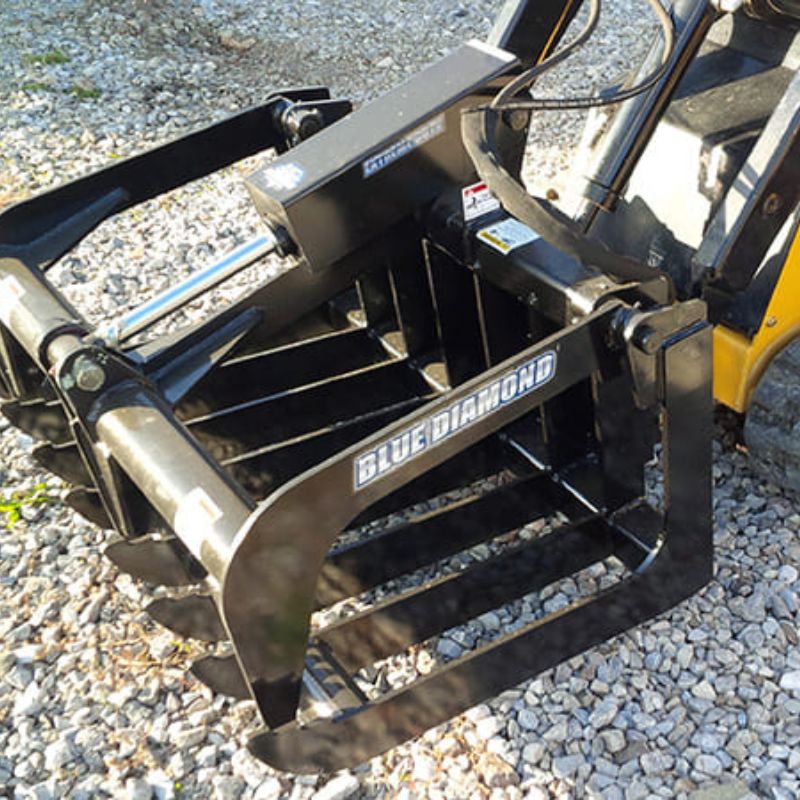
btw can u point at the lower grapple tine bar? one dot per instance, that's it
(88, 504)
(222, 675)
(431, 537)
(454, 599)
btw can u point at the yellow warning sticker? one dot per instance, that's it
(507, 235)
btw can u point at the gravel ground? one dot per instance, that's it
(94, 698)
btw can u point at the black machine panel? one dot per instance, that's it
(343, 188)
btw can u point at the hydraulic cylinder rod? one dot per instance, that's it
(197, 284)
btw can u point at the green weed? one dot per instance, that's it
(36, 86)
(84, 93)
(54, 56)
(13, 504)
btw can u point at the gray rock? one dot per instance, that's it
(91, 610)
(708, 764)
(556, 732)
(708, 742)
(42, 791)
(490, 621)
(138, 789)
(603, 714)
(791, 681)
(566, 766)
(487, 727)
(162, 646)
(613, 739)
(189, 737)
(751, 609)
(656, 763)
(448, 648)
(448, 746)
(227, 787)
(704, 690)
(57, 754)
(206, 756)
(636, 791)
(29, 703)
(532, 753)
(341, 787)
(270, 789)
(528, 719)
(424, 768)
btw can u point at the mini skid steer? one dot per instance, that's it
(447, 403)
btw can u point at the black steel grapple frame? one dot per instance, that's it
(405, 355)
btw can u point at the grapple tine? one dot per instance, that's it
(194, 616)
(88, 504)
(42, 419)
(222, 675)
(162, 560)
(63, 460)
(5, 387)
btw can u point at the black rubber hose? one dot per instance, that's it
(555, 227)
(527, 79)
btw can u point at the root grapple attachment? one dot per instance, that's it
(433, 413)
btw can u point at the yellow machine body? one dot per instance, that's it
(739, 361)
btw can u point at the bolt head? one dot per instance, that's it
(517, 119)
(772, 204)
(88, 374)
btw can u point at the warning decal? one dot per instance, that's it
(478, 200)
(507, 235)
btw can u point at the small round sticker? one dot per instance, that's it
(283, 177)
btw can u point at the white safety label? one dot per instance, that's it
(11, 292)
(507, 235)
(478, 200)
(196, 513)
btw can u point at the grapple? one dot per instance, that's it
(432, 413)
